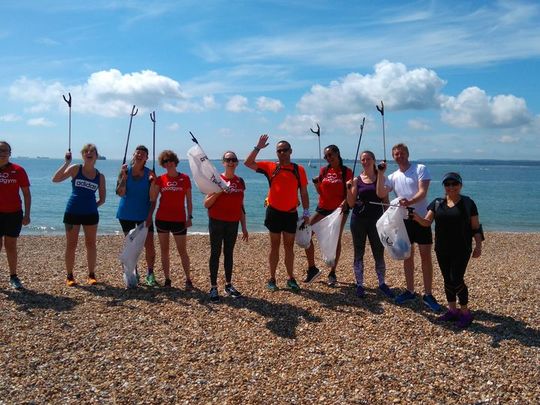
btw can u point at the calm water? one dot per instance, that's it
(506, 192)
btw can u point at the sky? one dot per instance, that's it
(458, 79)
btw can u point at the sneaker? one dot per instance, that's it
(15, 283)
(92, 279)
(431, 302)
(465, 319)
(70, 281)
(386, 290)
(214, 295)
(332, 279)
(293, 285)
(449, 316)
(231, 291)
(272, 286)
(151, 280)
(312, 274)
(167, 282)
(189, 285)
(360, 292)
(404, 297)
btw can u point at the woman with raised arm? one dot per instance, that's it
(13, 181)
(174, 189)
(456, 225)
(331, 186)
(225, 211)
(368, 187)
(82, 208)
(135, 207)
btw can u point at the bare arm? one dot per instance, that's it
(27, 203)
(351, 192)
(210, 199)
(250, 160)
(65, 170)
(101, 190)
(189, 203)
(426, 221)
(122, 180)
(243, 223)
(381, 189)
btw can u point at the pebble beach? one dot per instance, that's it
(106, 344)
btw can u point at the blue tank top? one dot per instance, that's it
(83, 194)
(135, 204)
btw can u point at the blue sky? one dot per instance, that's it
(459, 79)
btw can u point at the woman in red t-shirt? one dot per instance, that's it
(225, 211)
(331, 186)
(174, 189)
(13, 181)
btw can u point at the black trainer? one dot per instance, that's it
(312, 274)
(231, 291)
(214, 295)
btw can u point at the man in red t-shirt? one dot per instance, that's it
(285, 179)
(13, 179)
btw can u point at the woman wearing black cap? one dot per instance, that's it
(456, 224)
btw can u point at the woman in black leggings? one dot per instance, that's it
(456, 224)
(225, 211)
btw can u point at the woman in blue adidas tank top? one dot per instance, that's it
(135, 207)
(82, 208)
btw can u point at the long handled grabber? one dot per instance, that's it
(134, 112)
(358, 147)
(410, 210)
(381, 110)
(318, 133)
(153, 118)
(68, 101)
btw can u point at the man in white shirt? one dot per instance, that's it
(410, 183)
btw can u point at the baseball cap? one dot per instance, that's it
(452, 176)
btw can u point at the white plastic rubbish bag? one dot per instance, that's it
(303, 234)
(203, 171)
(327, 231)
(393, 233)
(133, 245)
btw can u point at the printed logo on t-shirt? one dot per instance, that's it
(4, 178)
(234, 187)
(332, 177)
(86, 184)
(172, 186)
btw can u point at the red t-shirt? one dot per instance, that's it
(228, 206)
(283, 194)
(332, 189)
(12, 178)
(173, 190)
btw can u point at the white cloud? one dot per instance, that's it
(174, 127)
(473, 108)
(343, 101)
(209, 102)
(269, 104)
(508, 139)
(299, 124)
(9, 118)
(419, 125)
(237, 103)
(39, 122)
(109, 93)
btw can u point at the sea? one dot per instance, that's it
(507, 193)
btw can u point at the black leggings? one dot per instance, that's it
(453, 266)
(222, 233)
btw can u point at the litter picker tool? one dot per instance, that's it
(68, 101)
(318, 133)
(134, 112)
(358, 147)
(410, 210)
(153, 118)
(381, 110)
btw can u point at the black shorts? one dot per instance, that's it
(279, 221)
(176, 228)
(418, 233)
(128, 225)
(323, 212)
(11, 224)
(80, 219)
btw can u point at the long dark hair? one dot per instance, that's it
(335, 149)
(372, 155)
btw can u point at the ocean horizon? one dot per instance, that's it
(505, 191)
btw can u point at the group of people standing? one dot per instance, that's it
(455, 216)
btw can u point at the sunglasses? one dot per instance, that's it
(230, 160)
(164, 161)
(451, 183)
(284, 150)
